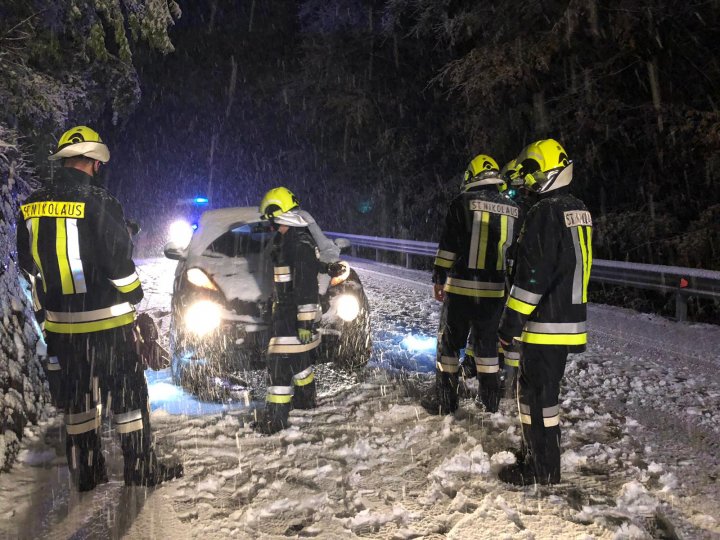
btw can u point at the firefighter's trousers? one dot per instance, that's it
(541, 370)
(291, 371)
(102, 376)
(459, 315)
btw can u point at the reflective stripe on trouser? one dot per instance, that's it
(83, 422)
(488, 364)
(282, 274)
(512, 358)
(305, 377)
(308, 312)
(83, 322)
(541, 370)
(292, 345)
(477, 289)
(279, 394)
(128, 422)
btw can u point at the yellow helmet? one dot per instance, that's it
(278, 201)
(81, 141)
(544, 166)
(482, 171)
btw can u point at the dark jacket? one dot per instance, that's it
(73, 235)
(547, 304)
(479, 228)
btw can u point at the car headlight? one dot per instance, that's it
(203, 317)
(200, 279)
(347, 307)
(180, 233)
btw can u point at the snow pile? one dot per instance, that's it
(23, 393)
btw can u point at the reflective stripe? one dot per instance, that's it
(281, 269)
(474, 240)
(470, 284)
(555, 328)
(279, 394)
(554, 339)
(127, 283)
(87, 327)
(588, 261)
(442, 263)
(551, 416)
(73, 252)
(473, 293)
(579, 267)
(128, 422)
(310, 316)
(525, 296)
(448, 364)
(502, 243)
(53, 364)
(520, 306)
(487, 364)
(83, 422)
(33, 225)
(512, 358)
(484, 231)
(89, 316)
(283, 278)
(305, 377)
(525, 419)
(291, 345)
(307, 312)
(445, 259)
(66, 280)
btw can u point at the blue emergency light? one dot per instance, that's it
(201, 200)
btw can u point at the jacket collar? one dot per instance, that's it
(69, 175)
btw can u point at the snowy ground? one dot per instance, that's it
(641, 444)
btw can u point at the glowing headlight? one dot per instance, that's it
(180, 233)
(203, 317)
(348, 307)
(200, 279)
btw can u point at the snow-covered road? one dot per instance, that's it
(641, 442)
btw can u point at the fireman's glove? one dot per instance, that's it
(336, 269)
(304, 335)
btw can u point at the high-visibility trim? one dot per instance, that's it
(84, 422)
(279, 394)
(306, 316)
(291, 345)
(281, 269)
(124, 281)
(136, 425)
(525, 296)
(474, 240)
(73, 252)
(445, 259)
(128, 422)
(554, 339)
(520, 306)
(551, 416)
(33, 226)
(577, 283)
(512, 358)
(484, 232)
(305, 377)
(588, 261)
(502, 243)
(556, 328)
(87, 327)
(487, 364)
(467, 287)
(307, 312)
(525, 419)
(53, 364)
(37, 306)
(583, 248)
(66, 279)
(89, 316)
(282, 274)
(448, 364)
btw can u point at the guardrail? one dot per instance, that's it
(684, 283)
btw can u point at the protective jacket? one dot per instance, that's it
(296, 301)
(547, 304)
(479, 228)
(73, 234)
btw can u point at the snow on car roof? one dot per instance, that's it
(213, 223)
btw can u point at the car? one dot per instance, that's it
(222, 302)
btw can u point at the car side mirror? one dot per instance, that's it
(174, 251)
(342, 243)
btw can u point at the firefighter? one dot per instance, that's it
(468, 278)
(295, 312)
(73, 234)
(545, 312)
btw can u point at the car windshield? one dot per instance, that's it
(243, 241)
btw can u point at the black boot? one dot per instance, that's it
(86, 461)
(273, 419)
(488, 392)
(305, 397)
(148, 471)
(445, 400)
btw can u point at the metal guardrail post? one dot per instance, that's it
(408, 260)
(681, 307)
